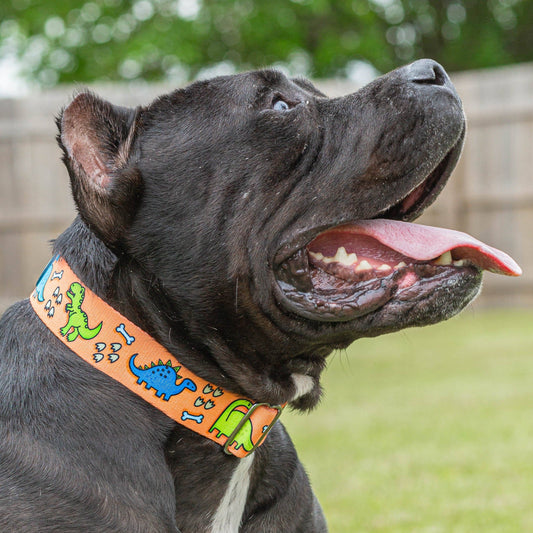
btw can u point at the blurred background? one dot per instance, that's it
(57, 41)
(440, 432)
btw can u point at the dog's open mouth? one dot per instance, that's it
(352, 270)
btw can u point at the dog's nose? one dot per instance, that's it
(427, 71)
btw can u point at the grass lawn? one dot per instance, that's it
(427, 430)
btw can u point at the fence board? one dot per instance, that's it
(490, 194)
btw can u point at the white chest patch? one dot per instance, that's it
(303, 384)
(228, 516)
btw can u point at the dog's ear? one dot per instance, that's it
(97, 139)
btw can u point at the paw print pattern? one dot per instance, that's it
(50, 308)
(208, 404)
(112, 357)
(209, 389)
(58, 296)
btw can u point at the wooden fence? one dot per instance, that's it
(490, 194)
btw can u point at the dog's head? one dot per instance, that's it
(251, 201)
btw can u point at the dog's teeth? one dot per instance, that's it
(401, 264)
(363, 266)
(444, 259)
(352, 258)
(342, 257)
(459, 263)
(316, 255)
(384, 268)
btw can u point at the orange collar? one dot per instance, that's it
(111, 343)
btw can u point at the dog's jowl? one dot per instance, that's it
(230, 236)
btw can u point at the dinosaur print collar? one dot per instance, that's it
(108, 341)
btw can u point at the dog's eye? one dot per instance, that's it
(280, 105)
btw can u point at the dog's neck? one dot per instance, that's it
(88, 256)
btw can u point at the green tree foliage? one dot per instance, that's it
(66, 41)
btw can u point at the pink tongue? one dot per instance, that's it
(424, 243)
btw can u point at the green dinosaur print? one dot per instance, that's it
(228, 421)
(77, 320)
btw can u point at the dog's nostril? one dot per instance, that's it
(439, 75)
(427, 71)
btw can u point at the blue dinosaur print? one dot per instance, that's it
(43, 278)
(161, 377)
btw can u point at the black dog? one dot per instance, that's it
(211, 220)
